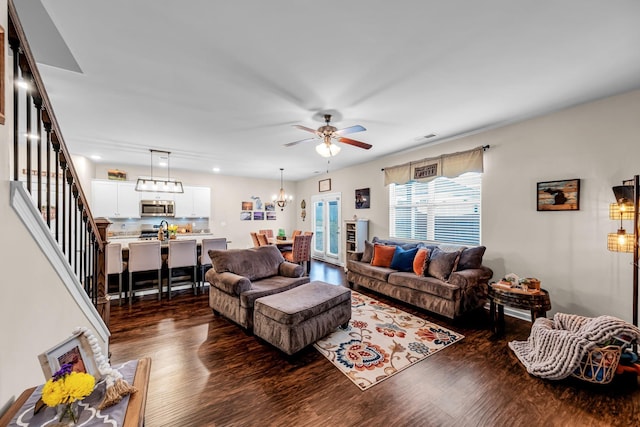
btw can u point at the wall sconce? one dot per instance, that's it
(626, 208)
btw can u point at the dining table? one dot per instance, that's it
(280, 243)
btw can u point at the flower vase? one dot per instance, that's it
(67, 414)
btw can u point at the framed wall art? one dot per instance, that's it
(362, 198)
(75, 350)
(324, 185)
(562, 195)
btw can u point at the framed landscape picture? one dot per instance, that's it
(562, 195)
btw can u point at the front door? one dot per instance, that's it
(326, 221)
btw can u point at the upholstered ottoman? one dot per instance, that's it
(293, 319)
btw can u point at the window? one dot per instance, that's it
(444, 209)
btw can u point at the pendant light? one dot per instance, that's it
(159, 185)
(282, 199)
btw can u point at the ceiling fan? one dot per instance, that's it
(327, 133)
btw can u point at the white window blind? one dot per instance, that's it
(444, 209)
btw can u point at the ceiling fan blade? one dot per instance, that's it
(306, 129)
(355, 143)
(298, 142)
(350, 129)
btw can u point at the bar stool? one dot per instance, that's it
(182, 253)
(144, 256)
(115, 265)
(205, 247)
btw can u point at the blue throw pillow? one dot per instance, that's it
(403, 259)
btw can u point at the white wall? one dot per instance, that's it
(596, 142)
(227, 195)
(36, 310)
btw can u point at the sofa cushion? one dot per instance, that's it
(382, 255)
(403, 259)
(420, 261)
(269, 286)
(442, 263)
(368, 270)
(367, 254)
(254, 263)
(471, 258)
(404, 245)
(429, 285)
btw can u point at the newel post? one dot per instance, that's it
(104, 305)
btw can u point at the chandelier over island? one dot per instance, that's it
(282, 198)
(159, 185)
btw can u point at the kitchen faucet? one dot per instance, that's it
(165, 230)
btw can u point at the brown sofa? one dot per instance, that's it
(240, 276)
(453, 294)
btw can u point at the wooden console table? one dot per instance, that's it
(134, 415)
(538, 303)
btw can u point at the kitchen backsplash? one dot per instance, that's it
(132, 227)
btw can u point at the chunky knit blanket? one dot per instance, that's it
(556, 347)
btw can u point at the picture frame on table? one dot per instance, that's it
(324, 185)
(560, 195)
(75, 350)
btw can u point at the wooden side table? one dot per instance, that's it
(134, 416)
(536, 302)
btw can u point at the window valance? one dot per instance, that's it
(447, 165)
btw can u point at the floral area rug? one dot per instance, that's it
(381, 341)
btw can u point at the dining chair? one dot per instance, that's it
(254, 237)
(263, 240)
(308, 233)
(115, 265)
(296, 233)
(144, 256)
(268, 233)
(182, 253)
(300, 251)
(203, 260)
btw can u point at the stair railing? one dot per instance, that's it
(42, 163)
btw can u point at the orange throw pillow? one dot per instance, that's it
(420, 261)
(383, 255)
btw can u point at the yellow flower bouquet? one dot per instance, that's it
(65, 388)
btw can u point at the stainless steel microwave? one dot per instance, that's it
(157, 208)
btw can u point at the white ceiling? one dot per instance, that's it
(220, 83)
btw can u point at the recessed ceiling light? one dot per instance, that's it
(216, 169)
(163, 163)
(95, 157)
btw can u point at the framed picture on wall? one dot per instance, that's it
(362, 198)
(258, 215)
(324, 185)
(562, 195)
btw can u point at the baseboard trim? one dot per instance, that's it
(30, 216)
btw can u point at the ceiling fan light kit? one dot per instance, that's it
(327, 149)
(327, 133)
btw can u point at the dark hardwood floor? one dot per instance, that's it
(206, 371)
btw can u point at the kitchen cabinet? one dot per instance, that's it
(195, 202)
(114, 199)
